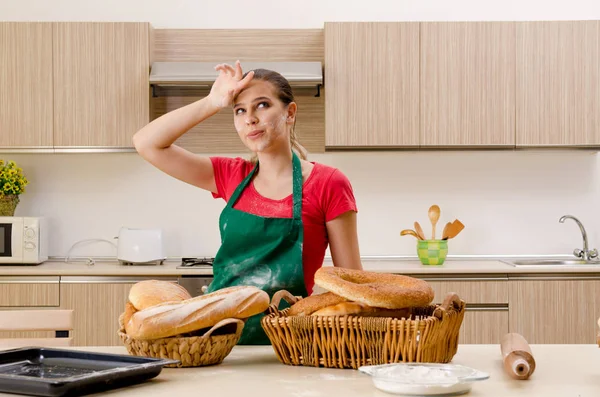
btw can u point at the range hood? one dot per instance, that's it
(193, 75)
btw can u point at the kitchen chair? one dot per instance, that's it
(59, 321)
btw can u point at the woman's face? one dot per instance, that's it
(262, 121)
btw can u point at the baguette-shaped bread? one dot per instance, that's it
(153, 292)
(174, 318)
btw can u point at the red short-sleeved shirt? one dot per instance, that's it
(326, 194)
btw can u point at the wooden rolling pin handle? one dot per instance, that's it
(519, 368)
(516, 356)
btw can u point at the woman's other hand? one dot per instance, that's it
(228, 84)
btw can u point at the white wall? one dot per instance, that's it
(278, 14)
(509, 201)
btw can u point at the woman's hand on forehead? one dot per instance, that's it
(228, 84)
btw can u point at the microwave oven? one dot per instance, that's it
(23, 240)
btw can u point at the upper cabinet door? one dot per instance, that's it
(25, 85)
(467, 84)
(558, 83)
(372, 84)
(101, 88)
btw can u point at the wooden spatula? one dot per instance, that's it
(455, 228)
(446, 231)
(419, 231)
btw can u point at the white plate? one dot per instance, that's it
(423, 379)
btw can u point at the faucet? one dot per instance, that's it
(585, 253)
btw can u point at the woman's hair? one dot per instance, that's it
(285, 95)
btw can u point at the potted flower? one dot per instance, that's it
(12, 184)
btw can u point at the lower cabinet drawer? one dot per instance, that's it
(472, 292)
(29, 291)
(483, 326)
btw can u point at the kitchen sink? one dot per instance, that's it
(552, 262)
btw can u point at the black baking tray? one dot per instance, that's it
(38, 371)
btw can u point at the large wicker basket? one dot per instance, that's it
(191, 351)
(430, 335)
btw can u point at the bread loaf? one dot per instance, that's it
(307, 306)
(129, 311)
(153, 292)
(362, 310)
(391, 291)
(174, 318)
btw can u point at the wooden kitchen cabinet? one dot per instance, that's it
(555, 310)
(480, 291)
(558, 83)
(25, 291)
(486, 315)
(26, 85)
(372, 82)
(28, 293)
(467, 84)
(483, 326)
(101, 86)
(97, 303)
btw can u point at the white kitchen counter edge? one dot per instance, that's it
(452, 267)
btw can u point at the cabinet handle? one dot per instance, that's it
(496, 278)
(557, 277)
(501, 307)
(29, 279)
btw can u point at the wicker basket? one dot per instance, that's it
(8, 204)
(191, 351)
(430, 335)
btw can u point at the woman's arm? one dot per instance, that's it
(343, 241)
(154, 142)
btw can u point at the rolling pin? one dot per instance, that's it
(517, 357)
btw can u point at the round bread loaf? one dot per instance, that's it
(384, 290)
(148, 293)
(309, 305)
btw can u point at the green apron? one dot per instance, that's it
(262, 252)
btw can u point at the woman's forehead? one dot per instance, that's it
(256, 89)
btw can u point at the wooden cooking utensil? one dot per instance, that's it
(409, 232)
(446, 231)
(456, 227)
(517, 356)
(419, 231)
(434, 217)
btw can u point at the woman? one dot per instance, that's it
(282, 211)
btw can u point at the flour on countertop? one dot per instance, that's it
(335, 377)
(417, 374)
(304, 393)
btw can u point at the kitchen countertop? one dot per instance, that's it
(459, 267)
(561, 371)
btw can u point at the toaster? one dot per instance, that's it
(140, 247)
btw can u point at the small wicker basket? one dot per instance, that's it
(429, 335)
(191, 351)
